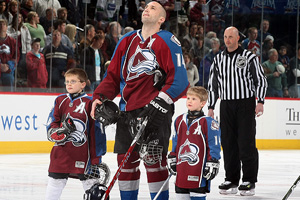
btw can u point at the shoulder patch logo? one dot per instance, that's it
(175, 40)
(214, 125)
(188, 152)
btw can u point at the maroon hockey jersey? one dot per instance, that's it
(131, 71)
(84, 146)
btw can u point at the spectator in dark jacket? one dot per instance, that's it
(94, 62)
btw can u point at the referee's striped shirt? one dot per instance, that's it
(236, 75)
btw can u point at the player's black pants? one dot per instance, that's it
(238, 130)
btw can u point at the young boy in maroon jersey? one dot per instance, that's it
(195, 149)
(79, 140)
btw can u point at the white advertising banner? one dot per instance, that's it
(24, 118)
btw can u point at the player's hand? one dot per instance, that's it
(172, 161)
(211, 169)
(97, 101)
(157, 110)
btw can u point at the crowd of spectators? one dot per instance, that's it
(70, 36)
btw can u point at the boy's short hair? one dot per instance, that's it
(79, 72)
(199, 91)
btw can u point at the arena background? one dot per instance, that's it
(23, 119)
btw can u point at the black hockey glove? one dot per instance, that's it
(67, 126)
(211, 169)
(172, 161)
(107, 113)
(157, 110)
(97, 191)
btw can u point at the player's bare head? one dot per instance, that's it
(198, 91)
(157, 11)
(80, 73)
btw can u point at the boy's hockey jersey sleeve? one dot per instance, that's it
(213, 139)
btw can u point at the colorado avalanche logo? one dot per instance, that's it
(78, 138)
(4, 49)
(188, 152)
(142, 61)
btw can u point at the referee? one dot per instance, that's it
(237, 77)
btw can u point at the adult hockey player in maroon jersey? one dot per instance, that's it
(79, 140)
(195, 149)
(140, 57)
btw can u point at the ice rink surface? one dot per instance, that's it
(24, 177)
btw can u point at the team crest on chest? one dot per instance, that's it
(188, 152)
(142, 61)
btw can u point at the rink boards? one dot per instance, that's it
(23, 120)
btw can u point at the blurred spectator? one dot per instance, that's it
(60, 25)
(267, 45)
(277, 81)
(4, 14)
(112, 38)
(8, 56)
(47, 21)
(128, 29)
(283, 57)
(94, 62)
(251, 43)
(197, 16)
(35, 29)
(20, 31)
(37, 75)
(13, 7)
(62, 13)
(191, 69)
(128, 14)
(198, 50)
(26, 7)
(71, 33)
(75, 10)
(85, 42)
(141, 8)
(60, 56)
(41, 6)
(294, 76)
(265, 26)
(208, 37)
(190, 38)
(207, 61)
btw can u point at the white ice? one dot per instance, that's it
(24, 177)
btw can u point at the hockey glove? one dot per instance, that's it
(61, 134)
(97, 191)
(211, 169)
(107, 113)
(157, 110)
(172, 161)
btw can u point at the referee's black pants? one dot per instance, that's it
(238, 130)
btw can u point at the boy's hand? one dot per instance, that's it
(211, 169)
